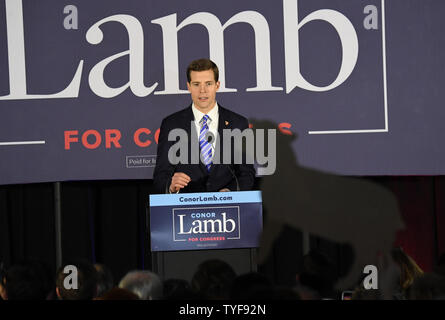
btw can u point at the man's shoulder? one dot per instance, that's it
(188, 113)
(231, 114)
(178, 114)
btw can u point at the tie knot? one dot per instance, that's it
(205, 119)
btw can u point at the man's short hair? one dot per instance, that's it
(87, 282)
(145, 284)
(213, 279)
(202, 65)
(105, 280)
(27, 280)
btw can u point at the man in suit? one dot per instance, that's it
(202, 118)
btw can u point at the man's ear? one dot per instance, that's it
(217, 85)
(58, 293)
(3, 293)
(188, 86)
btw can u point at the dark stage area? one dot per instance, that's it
(107, 222)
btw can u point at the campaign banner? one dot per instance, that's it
(84, 85)
(198, 221)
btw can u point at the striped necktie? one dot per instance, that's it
(204, 145)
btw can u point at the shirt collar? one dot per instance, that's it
(213, 114)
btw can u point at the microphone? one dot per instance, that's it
(234, 175)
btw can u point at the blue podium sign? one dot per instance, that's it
(197, 221)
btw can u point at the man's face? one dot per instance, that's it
(202, 87)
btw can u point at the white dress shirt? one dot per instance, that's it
(212, 122)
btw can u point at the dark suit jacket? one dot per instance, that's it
(220, 175)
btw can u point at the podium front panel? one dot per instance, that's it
(183, 264)
(202, 221)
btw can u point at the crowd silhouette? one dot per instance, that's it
(400, 278)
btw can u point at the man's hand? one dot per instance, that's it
(179, 181)
(224, 190)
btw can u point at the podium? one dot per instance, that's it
(188, 229)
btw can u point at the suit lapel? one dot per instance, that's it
(223, 123)
(187, 118)
(193, 136)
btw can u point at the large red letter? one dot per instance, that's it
(284, 128)
(85, 139)
(157, 135)
(138, 141)
(69, 139)
(112, 139)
